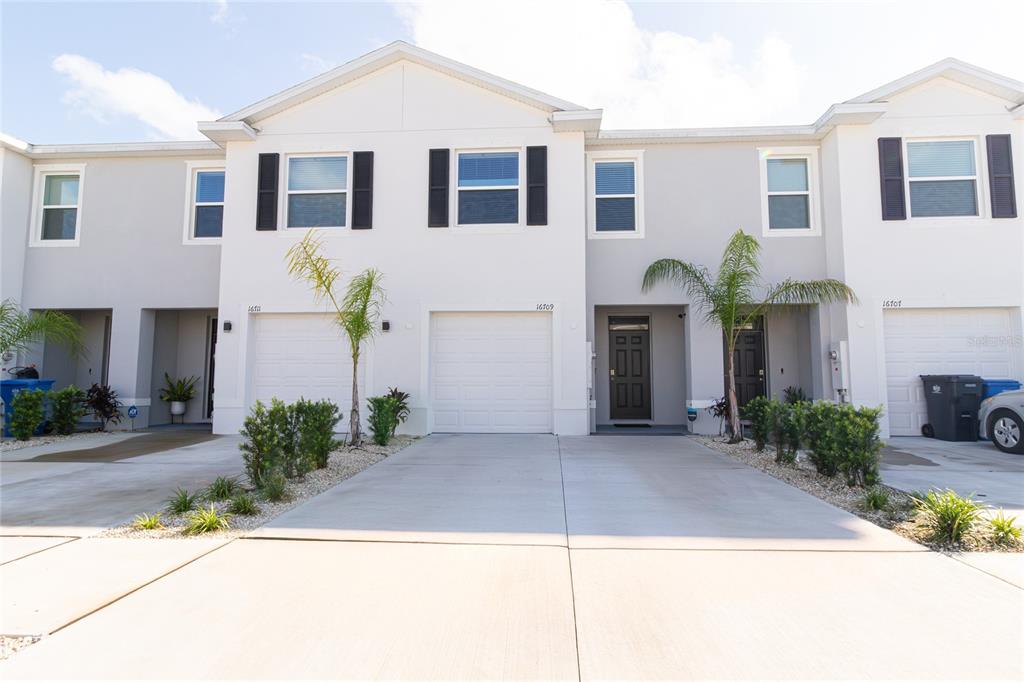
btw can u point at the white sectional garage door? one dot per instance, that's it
(941, 341)
(300, 356)
(491, 372)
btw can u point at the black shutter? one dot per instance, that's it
(362, 190)
(1000, 176)
(437, 210)
(266, 193)
(536, 185)
(890, 170)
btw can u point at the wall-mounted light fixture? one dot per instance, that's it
(227, 326)
(385, 326)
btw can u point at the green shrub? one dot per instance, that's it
(402, 410)
(182, 501)
(28, 410)
(794, 395)
(757, 411)
(222, 488)
(271, 442)
(316, 422)
(857, 444)
(148, 522)
(820, 436)
(67, 407)
(275, 486)
(243, 504)
(1004, 530)
(383, 419)
(948, 515)
(206, 520)
(876, 498)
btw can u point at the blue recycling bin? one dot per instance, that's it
(996, 386)
(8, 389)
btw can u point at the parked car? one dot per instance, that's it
(1001, 418)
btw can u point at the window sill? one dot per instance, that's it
(790, 232)
(54, 243)
(615, 234)
(203, 241)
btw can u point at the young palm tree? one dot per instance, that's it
(20, 329)
(732, 299)
(357, 311)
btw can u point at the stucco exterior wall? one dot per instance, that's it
(923, 262)
(400, 113)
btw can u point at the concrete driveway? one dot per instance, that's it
(970, 468)
(80, 487)
(528, 557)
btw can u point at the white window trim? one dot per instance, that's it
(636, 156)
(41, 172)
(491, 228)
(810, 154)
(192, 169)
(348, 191)
(980, 181)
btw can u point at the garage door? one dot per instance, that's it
(491, 372)
(300, 356)
(940, 341)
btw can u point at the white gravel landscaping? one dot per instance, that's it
(343, 463)
(12, 444)
(898, 516)
(9, 645)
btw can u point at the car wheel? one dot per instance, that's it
(1007, 432)
(927, 431)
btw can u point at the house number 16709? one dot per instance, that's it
(545, 306)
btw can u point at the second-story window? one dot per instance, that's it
(488, 188)
(789, 194)
(317, 191)
(60, 207)
(615, 196)
(943, 178)
(208, 216)
(789, 191)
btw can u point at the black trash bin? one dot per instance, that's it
(953, 402)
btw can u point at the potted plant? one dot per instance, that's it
(178, 392)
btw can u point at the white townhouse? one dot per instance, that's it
(513, 233)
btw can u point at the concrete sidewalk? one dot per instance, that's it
(462, 558)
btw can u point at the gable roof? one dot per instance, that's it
(389, 54)
(955, 70)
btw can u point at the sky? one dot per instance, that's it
(138, 71)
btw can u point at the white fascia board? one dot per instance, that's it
(222, 132)
(585, 120)
(389, 54)
(850, 114)
(691, 135)
(68, 151)
(955, 70)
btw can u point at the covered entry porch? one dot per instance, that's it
(659, 369)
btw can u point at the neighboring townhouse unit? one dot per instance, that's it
(513, 234)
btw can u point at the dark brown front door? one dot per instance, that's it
(749, 365)
(629, 366)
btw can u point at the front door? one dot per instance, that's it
(629, 367)
(210, 368)
(748, 364)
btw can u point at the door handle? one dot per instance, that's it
(611, 372)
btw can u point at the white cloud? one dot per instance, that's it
(595, 54)
(316, 64)
(106, 95)
(220, 11)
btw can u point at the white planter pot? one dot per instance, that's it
(177, 408)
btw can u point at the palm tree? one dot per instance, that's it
(732, 298)
(20, 329)
(356, 312)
